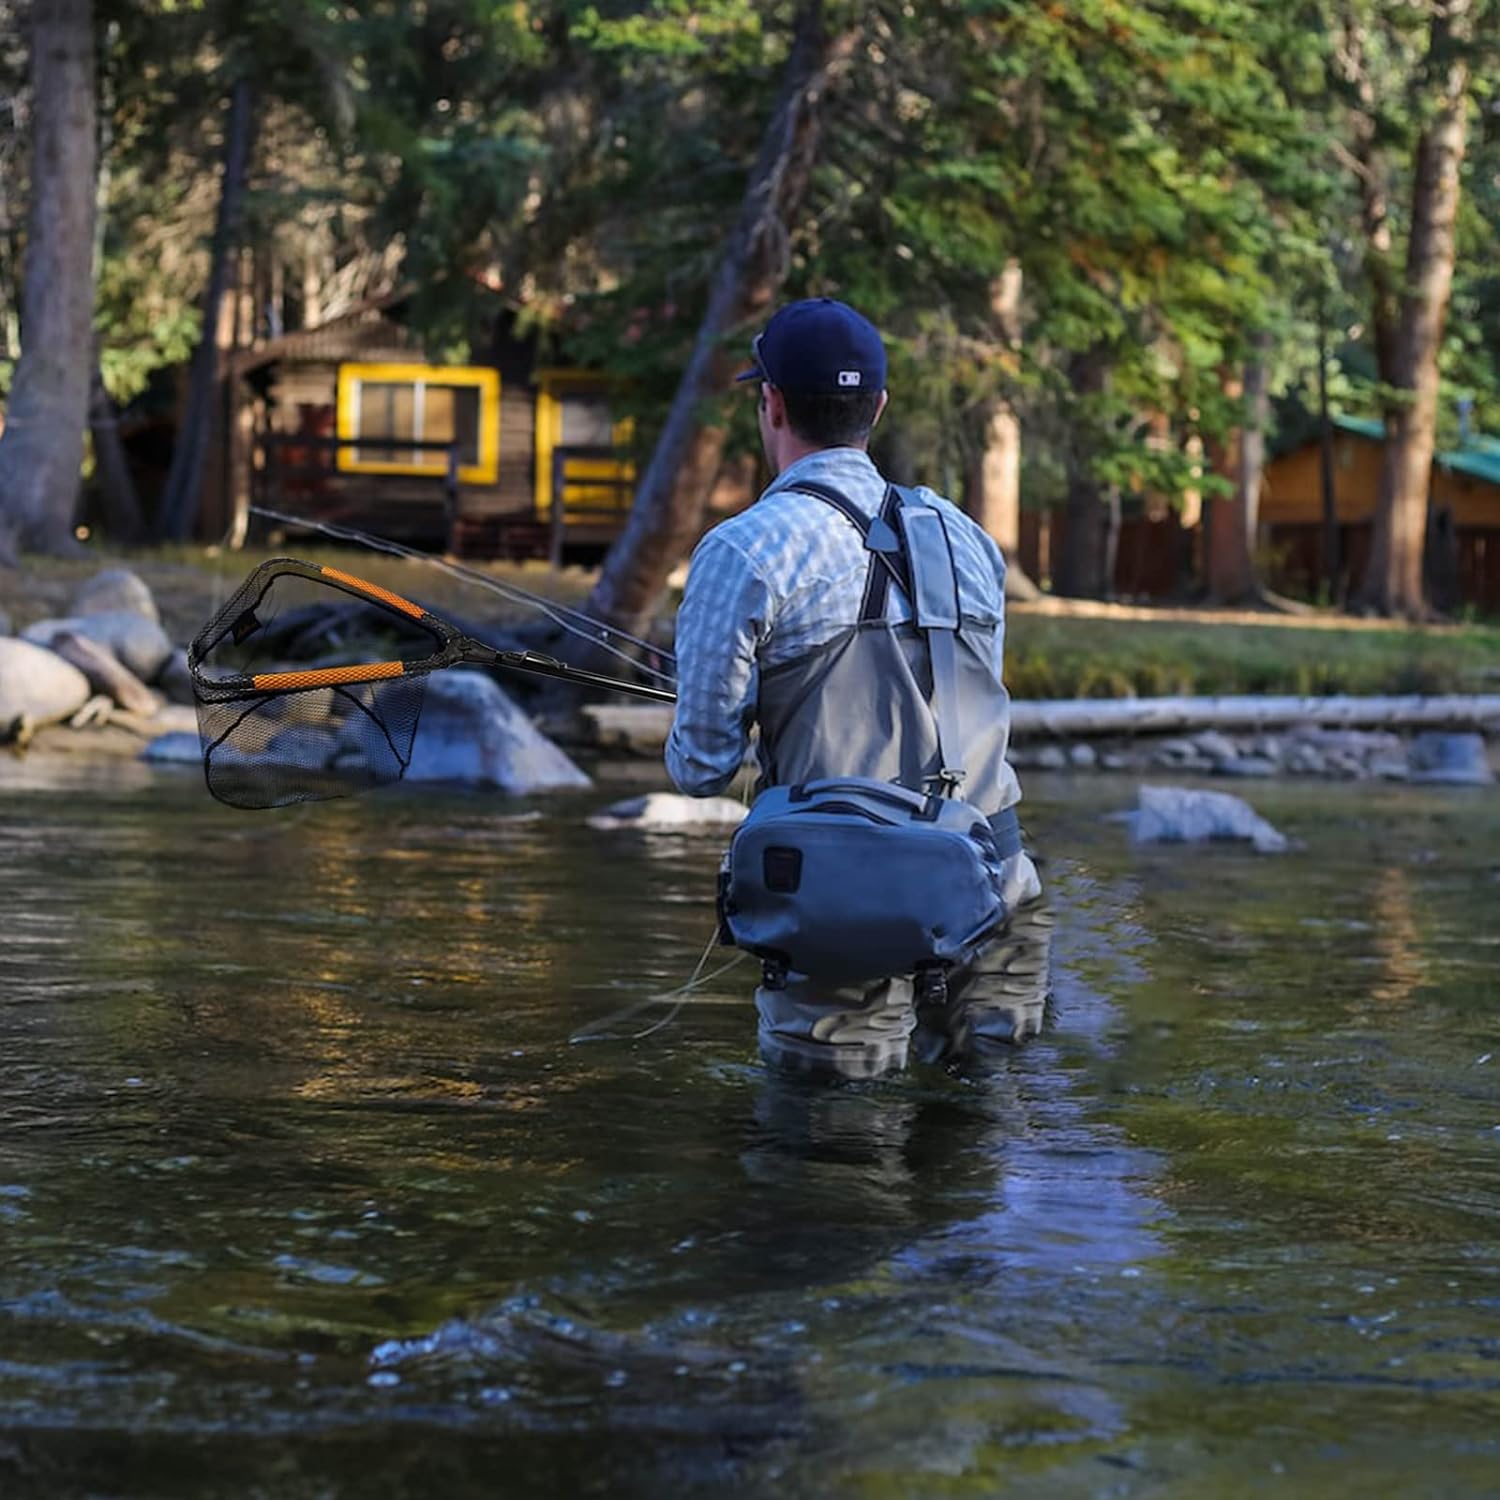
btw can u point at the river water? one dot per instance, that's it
(305, 1190)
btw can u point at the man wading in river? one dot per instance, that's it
(798, 618)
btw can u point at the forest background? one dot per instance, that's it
(1125, 246)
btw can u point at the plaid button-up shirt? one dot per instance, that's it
(779, 580)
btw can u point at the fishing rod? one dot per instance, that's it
(563, 616)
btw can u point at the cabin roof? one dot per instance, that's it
(1479, 458)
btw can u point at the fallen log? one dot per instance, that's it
(106, 673)
(1078, 718)
(642, 728)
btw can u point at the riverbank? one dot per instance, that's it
(97, 669)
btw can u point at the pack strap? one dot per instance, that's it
(934, 599)
(909, 546)
(881, 539)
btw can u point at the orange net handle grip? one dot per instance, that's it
(375, 591)
(375, 671)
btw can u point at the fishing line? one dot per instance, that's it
(561, 615)
(695, 981)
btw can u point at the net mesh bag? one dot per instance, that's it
(309, 685)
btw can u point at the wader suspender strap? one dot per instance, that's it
(880, 537)
(910, 545)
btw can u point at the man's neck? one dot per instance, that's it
(797, 450)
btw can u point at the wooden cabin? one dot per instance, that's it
(1463, 543)
(351, 421)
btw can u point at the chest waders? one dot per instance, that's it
(859, 859)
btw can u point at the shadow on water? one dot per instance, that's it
(302, 1189)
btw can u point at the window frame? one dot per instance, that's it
(352, 378)
(551, 386)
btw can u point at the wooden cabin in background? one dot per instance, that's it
(1463, 536)
(351, 422)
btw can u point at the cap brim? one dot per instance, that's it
(754, 373)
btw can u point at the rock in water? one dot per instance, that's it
(37, 684)
(1177, 815)
(667, 810)
(176, 747)
(471, 731)
(115, 591)
(140, 644)
(1450, 759)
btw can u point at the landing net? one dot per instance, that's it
(309, 685)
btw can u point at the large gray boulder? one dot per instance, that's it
(1450, 759)
(471, 731)
(1180, 815)
(37, 685)
(115, 591)
(140, 644)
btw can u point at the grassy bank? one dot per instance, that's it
(1100, 655)
(1054, 650)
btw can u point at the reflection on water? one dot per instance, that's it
(304, 1191)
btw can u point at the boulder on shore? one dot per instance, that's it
(115, 591)
(140, 644)
(472, 731)
(1179, 815)
(37, 685)
(669, 812)
(1450, 759)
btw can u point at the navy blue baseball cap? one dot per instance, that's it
(819, 347)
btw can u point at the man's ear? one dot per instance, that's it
(775, 407)
(885, 397)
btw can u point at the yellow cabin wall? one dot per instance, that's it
(1292, 491)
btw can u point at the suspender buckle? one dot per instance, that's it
(947, 782)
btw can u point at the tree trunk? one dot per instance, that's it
(1393, 580)
(668, 508)
(992, 484)
(1085, 561)
(41, 450)
(122, 506)
(1241, 459)
(180, 497)
(1332, 562)
(1371, 173)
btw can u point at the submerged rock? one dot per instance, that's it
(176, 747)
(472, 731)
(115, 590)
(668, 810)
(1450, 759)
(37, 685)
(140, 644)
(1179, 815)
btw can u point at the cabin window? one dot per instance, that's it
(581, 445)
(383, 410)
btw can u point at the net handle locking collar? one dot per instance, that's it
(456, 649)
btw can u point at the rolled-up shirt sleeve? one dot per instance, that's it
(725, 616)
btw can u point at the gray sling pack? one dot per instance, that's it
(851, 880)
